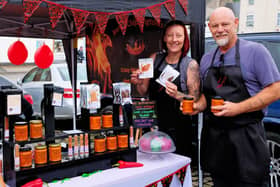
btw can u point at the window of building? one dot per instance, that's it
(278, 19)
(250, 21)
(251, 2)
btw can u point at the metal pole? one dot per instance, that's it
(73, 83)
(200, 173)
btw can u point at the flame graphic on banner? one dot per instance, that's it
(98, 63)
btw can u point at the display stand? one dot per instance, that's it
(64, 169)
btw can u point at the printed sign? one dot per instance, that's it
(143, 114)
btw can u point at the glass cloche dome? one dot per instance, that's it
(156, 142)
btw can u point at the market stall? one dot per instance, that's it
(67, 20)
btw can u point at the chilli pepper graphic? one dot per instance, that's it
(123, 164)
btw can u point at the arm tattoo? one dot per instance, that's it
(193, 82)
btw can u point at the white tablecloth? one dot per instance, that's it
(155, 168)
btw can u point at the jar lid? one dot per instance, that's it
(95, 114)
(23, 149)
(217, 97)
(107, 113)
(99, 137)
(54, 145)
(20, 123)
(40, 147)
(35, 121)
(111, 135)
(188, 98)
(122, 133)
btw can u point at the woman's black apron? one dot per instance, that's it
(232, 147)
(170, 118)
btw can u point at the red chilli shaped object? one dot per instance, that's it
(122, 164)
(34, 183)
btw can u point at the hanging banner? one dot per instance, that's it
(112, 56)
(122, 21)
(55, 13)
(79, 19)
(140, 18)
(156, 11)
(170, 6)
(2, 4)
(29, 8)
(184, 4)
(101, 21)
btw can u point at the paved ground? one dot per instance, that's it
(207, 181)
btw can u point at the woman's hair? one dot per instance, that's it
(186, 45)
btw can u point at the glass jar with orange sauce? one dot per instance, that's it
(95, 122)
(123, 140)
(55, 152)
(111, 141)
(25, 157)
(41, 156)
(36, 129)
(21, 131)
(107, 120)
(99, 144)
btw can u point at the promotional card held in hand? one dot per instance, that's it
(146, 68)
(168, 74)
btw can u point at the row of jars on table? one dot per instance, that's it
(24, 130)
(98, 121)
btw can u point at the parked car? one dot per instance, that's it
(57, 74)
(27, 100)
(272, 118)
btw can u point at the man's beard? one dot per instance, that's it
(222, 42)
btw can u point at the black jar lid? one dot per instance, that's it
(217, 97)
(123, 133)
(99, 137)
(23, 149)
(188, 98)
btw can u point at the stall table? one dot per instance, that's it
(156, 167)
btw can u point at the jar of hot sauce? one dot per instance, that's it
(123, 140)
(41, 154)
(95, 122)
(99, 144)
(111, 142)
(36, 129)
(25, 157)
(188, 104)
(216, 101)
(107, 120)
(55, 152)
(21, 131)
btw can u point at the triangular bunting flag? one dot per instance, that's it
(80, 18)
(55, 13)
(140, 18)
(101, 21)
(181, 174)
(29, 7)
(152, 185)
(156, 11)
(170, 6)
(2, 3)
(166, 181)
(184, 4)
(122, 21)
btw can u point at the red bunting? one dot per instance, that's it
(101, 21)
(2, 3)
(140, 18)
(156, 11)
(166, 181)
(182, 173)
(170, 6)
(55, 13)
(122, 21)
(80, 18)
(184, 4)
(29, 8)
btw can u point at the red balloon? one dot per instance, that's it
(43, 57)
(17, 53)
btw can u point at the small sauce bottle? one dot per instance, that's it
(55, 152)
(111, 142)
(216, 101)
(99, 144)
(107, 120)
(123, 140)
(25, 157)
(41, 154)
(188, 104)
(36, 129)
(21, 131)
(95, 122)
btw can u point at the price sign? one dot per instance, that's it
(143, 114)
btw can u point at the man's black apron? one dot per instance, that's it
(232, 147)
(170, 118)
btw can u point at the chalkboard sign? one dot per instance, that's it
(143, 114)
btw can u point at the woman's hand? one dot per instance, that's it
(134, 77)
(171, 89)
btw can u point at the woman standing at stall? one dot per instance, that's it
(175, 43)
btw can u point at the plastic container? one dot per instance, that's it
(36, 129)
(123, 140)
(188, 104)
(54, 152)
(99, 144)
(41, 154)
(21, 131)
(95, 122)
(216, 101)
(25, 157)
